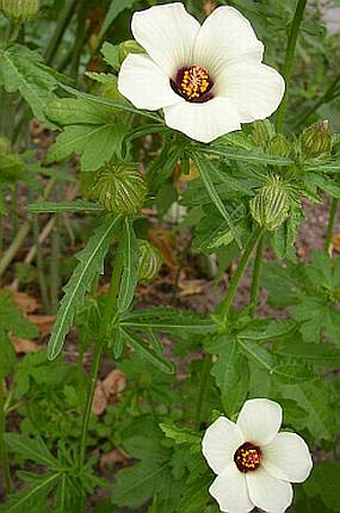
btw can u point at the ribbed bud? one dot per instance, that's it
(270, 206)
(150, 261)
(279, 146)
(120, 188)
(316, 140)
(20, 10)
(262, 131)
(129, 46)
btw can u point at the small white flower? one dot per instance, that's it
(207, 79)
(254, 463)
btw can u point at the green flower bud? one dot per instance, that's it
(316, 140)
(150, 261)
(20, 11)
(270, 206)
(262, 131)
(279, 146)
(120, 188)
(127, 47)
(11, 167)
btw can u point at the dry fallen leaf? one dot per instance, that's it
(24, 346)
(108, 390)
(99, 400)
(190, 287)
(26, 302)
(43, 323)
(336, 242)
(114, 383)
(111, 458)
(164, 241)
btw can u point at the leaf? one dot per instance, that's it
(33, 449)
(254, 156)
(111, 55)
(114, 10)
(128, 254)
(321, 355)
(33, 499)
(79, 111)
(181, 435)
(53, 207)
(231, 371)
(205, 167)
(97, 144)
(169, 320)
(325, 483)
(21, 70)
(91, 260)
(142, 347)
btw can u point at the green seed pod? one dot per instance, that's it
(279, 146)
(20, 11)
(120, 188)
(150, 261)
(127, 47)
(316, 140)
(270, 206)
(262, 131)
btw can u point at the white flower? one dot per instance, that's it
(254, 463)
(207, 79)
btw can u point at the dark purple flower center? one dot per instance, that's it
(194, 84)
(247, 457)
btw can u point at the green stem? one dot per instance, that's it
(40, 267)
(63, 22)
(3, 453)
(80, 37)
(110, 308)
(331, 223)
(289, 58)
(202, 390)
(255, 284)
(235, 280)
(55, 265)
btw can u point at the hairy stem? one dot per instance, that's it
(40, 267)
(255, 284)
(331, 222)
(202, 390)
(3, 453)
(235, 280)
(109, 311)
(289, 58)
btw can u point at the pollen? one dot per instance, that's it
(247, 457)
(194, 84)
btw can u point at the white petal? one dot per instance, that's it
(220, 442)
(260, 420)
(230, 491)
(203, 121)
(226, 37)
(167, 33)
(268, 493)
(257, 89)
(287, 457)
(142, 82)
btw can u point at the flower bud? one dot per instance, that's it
(11, 167)
(316, 140)
(262, 131)
(120, 188)
(279, 146)
(150, 261)
(20, 11)
(127, 47)
(270, 206)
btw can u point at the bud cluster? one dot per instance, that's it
(20, 11)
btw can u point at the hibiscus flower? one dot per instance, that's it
(254, 463)
(208, 78)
